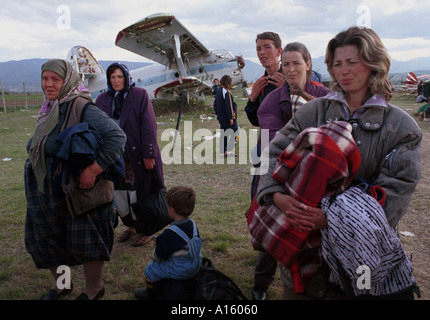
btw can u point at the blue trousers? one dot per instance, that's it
(228, 135)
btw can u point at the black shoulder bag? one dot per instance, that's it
(152, 211)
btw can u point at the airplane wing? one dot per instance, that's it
(160, 37)
(174, 88)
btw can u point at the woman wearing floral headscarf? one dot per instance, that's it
(53, 236)
(132, 110)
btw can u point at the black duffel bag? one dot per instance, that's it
(152, 212)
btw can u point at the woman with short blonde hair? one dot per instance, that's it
(372, 53)
(389, 141)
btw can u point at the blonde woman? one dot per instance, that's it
(389, 141)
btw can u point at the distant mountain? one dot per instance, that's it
(417, 65)
(252, 71)
(14, 73)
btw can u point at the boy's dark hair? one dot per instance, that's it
(182, 199)
(225, 80)
(268, 35)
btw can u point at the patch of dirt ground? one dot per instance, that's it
(414, 228)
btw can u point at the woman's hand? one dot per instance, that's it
(257, 87)
(88, 176)
(277, 79)
(300, 216)
(149, 163)
(296, 90)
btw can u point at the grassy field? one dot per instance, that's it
(223, 196)
(16, 100)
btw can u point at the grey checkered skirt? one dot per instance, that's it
(53, 237)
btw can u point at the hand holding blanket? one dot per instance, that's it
(319, 162)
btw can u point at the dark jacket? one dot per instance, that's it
(77, 147)
(169, 241)
(225, 107)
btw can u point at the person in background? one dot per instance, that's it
(420, 93)
(274, 112)
(269, 48)
(131, 108)
(226, 111)
(387, 138)
(215, 87)
(281, 104)
(53, 237)
(420, 88)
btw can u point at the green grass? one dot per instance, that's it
(223, 196)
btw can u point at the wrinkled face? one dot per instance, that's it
(295, 68)
(267, 53)
(51, 84)
(349, 70)
(117, 80)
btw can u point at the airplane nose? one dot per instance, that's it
(240, 62)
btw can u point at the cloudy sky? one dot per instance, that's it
(48, 29)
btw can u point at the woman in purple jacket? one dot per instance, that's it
(278, 107)
(132, 109)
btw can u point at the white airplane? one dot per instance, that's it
(183, 63)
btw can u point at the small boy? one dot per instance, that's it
(177, 253)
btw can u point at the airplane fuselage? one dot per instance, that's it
(153, 77)
(184, 65)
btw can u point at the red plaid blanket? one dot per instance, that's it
(319, 162)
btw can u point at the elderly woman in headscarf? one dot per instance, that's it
(131, 108)
(53, 236)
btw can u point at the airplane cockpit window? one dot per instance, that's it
(223, 55)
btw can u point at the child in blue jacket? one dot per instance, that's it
(177, 253)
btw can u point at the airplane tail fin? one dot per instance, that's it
(83, 60)
(411, 78)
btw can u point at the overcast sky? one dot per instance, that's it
(48, 29)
